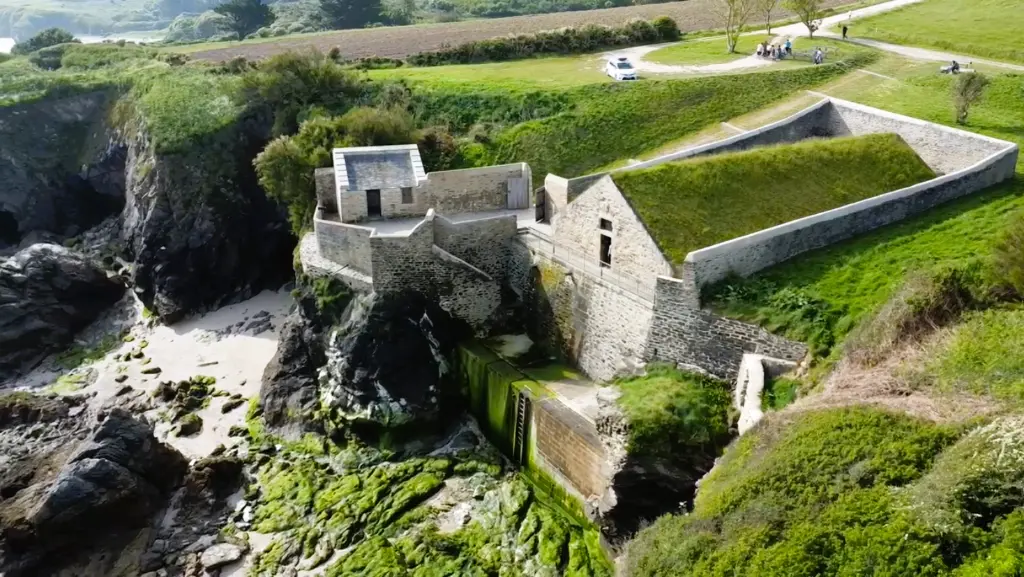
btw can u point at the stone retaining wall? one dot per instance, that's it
(344, 244)
(569, 445)
(691, 337)
(473, 189)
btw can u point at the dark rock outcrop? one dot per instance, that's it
(200, 229)
(110, 484)
(63, 168)
(388, 360)
(47, 294)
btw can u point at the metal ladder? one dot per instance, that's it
(522, 418)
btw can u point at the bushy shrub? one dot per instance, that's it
(48, 58)
(206, 26)
(92, 56)
(568, 40)
(44, 39)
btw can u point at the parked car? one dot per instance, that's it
(620, 69)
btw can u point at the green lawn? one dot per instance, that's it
(984, 28)
(543, 73)
(697, 203)
(608, 122)
(713, 51)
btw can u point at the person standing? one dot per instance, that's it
(844, 31)
(789, 47)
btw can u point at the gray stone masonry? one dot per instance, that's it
(345, 244)
(633, 251)
(473, 189)
(325, 194)
(484, 243)
(683, 335)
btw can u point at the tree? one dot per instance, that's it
(767, 7)
(350, 13)
(45, 39)
(246, 16)
(809, 12)
(734, 14)
(967, 90)
(398, 11)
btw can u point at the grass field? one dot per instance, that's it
(697, 203)
(398, 42)
(542, 73)
(712, 50)
(609, 122)
(984, 28)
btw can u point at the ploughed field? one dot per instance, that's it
(401, 41)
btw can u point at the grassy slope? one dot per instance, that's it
(549, 72)
(830, 290)
(978, 27)
(697, 203)
(850, 492)
(613, 121)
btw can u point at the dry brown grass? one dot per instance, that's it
(401, 41)
(892, 383)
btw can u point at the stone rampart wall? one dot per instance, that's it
(944, 149)
(692, 337)
(344, 244)
(599, 327)
(484, 243)
(472, 189)
(326, 196)
(748, 254)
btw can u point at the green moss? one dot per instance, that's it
(671, 413)
(779, 392)
(700, 202)
(77, 355)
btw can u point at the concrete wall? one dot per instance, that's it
(634, 252)
(344, 244)
(599, 327)
(944, 149)
(811, 121)
(692, 337)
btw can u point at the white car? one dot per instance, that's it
(620, 69)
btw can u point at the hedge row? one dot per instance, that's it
(569, 40)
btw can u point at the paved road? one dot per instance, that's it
(636, 54)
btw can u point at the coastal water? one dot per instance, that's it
(7, 43)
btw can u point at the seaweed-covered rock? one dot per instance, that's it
(47, 294)
(388, 360)
(112, 483)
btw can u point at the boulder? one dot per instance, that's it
(388, 361)
(47, 294)
(113, 482)
(289, 387)
(220, 555)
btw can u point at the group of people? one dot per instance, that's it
(774, 50)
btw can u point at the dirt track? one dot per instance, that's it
(401, 41)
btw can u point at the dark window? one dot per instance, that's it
(606, 224)
(606, 250)
(373, 203)
(406, 195)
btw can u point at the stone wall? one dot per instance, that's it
(748, 254)
(811, 121)
(569, 444)
(600, 328)
(692, 337)
(944, 149)
(344, 244)
(484, 242)
(578, 228)
(326, 195)
(473, 189)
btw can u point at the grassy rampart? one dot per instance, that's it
(696, 203)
